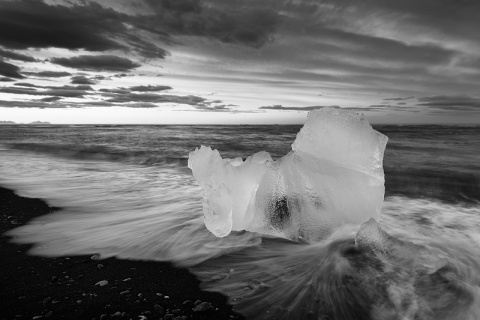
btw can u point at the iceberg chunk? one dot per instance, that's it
(333, 176)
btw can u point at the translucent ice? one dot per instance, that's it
(333, 176)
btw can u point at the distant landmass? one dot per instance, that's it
(40, 122)
(34, 122)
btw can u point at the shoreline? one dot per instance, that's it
(74, 287)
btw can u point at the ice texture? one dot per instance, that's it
(333, 176)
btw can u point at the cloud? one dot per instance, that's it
(82, 80)
(453, 102)
(9, 70)
(97, 63)
(50, 99)
(64, 91)
(227, 21)
(51, 74)
(154, 98)
(280, 107)
(16, 56)
(398, 99)
(26, 84)
(149, 88)
(3, 79)
(28, 24)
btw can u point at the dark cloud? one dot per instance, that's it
(3, 79)
(97, 63)
(398, 99)
(216, 108)
(454, 102)
(64, 91)
(9, 70)
(154, 98)
(149, 88)
(25, 84)
(227, 21)
(51, 74)
(34, 24)
(82, 80)
(31, 104)
(50, 99)
(16, 56)
(280, 107)
(28, 24)
(117, 90)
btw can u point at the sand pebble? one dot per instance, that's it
(101, 283)
(95, 257)
(168, 316)
(103, 316)
(158, 294)
(158, 308)
(197, 302)
(37, 317)
(127, 279)
(48, 314)
(47, 300)
(100, 266)
(204, 306)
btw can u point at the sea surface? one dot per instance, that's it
(126, 191)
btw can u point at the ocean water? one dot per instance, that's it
(126, 191)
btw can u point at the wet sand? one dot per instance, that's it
(86, 287)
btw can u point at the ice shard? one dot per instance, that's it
(332, 177)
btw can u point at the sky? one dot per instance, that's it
(238, 61)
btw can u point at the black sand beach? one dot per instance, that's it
(76, 287)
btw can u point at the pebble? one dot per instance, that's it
(158, 294)
(140, 295)
(95, 257)
(204, 306)
(197, 302)
(79, 301)
(117, 314)
(187, 303)
(158, 308)
(168, 316)
(166, 297)
(54, 279)
(124, 315)
(100, 266)
(101, 283)
(103, 316)
(127, 279)
(37, 317)
(176, 311)
(48, 314)
(125, 292)
(47, 300)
